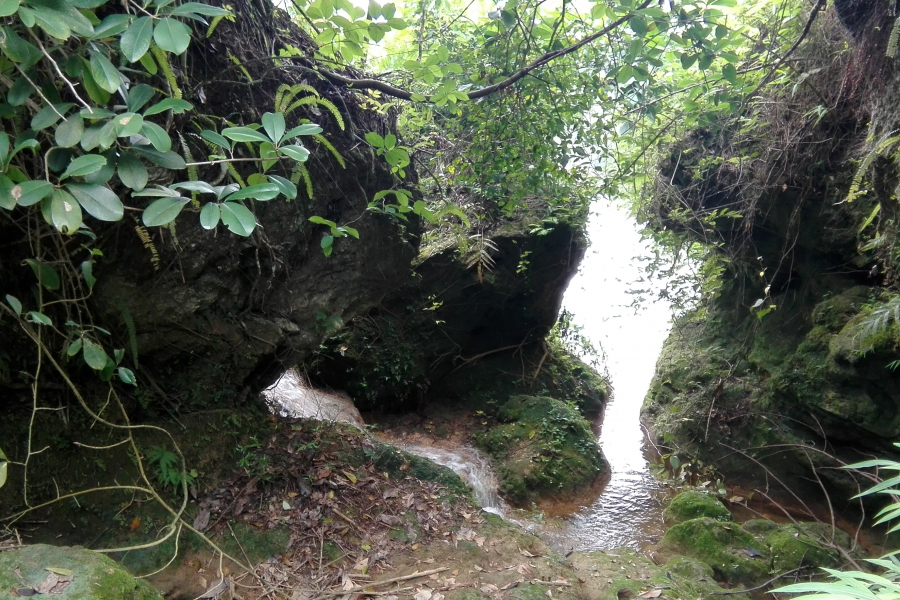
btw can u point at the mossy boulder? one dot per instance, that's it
(792, 547)
(760, 526)
(692, 505)
(94, 576)
(725, 547)
(544, 447)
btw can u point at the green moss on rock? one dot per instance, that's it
(692, 505)
(724, 547)
(544, 447)
(95, 576)
(791, 548)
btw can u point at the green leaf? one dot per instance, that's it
(45, 274)
(201, 9)
(262, 191)
(209, 215)
(729, 73)
(15, 304)
(244, 134)
(132, 172)
(305, 129)
(157, 136)
(87, 271)
(20, 50)
(705, 61)
(4, 147)
(273, 123)
(168, 160)
(65, 212)
(163, 211)
(39, 318)
(298, 153)
(95, 92)
(53, 22)
(70, 132)
(176, 105)
(172, 35)
(136, 40)
(84, 165)
(20, 91)
(7, 200)
(138, 96)
(128, 124)
(7, 8)
(126, 375)
(194, 186)
(111, 25)
(237, 218)
(49, 115)
(94, 355)
(99, 201)
(28, 193)
(215, 138)
(374, 139)
(104, 73)
(75, 347)
(285, 186)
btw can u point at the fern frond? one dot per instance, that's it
(163, 61)
(878, 320)
(323, 102)
(480, 255)
(233, 172)
(337, 155)
(883, 146)
(193, 173)
(285, 93)
(300, 172)
(894, 39)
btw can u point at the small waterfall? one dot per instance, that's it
(470, 465)
(293, 397)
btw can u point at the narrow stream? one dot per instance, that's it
(628, 511)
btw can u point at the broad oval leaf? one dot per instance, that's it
(298, 153)
(7, 8)
(94, 355)
(209, 215)
(157, 136)
(99, 201)
(132, 172)
(46, 275)
(285, 186)
(70, 132)
(84, 165)
(65, 212)
(168, 160)
(172, 35)
(28, 193)
(176, 105)
(136, 40)
(200, 9)
(104, 73)
(238, 218)
(49, 115)
(313, 129)
(194, 186)
(138, 96)
(163, 211)
(14, 303)
(244, 134)
(215, 138)
(126, 375)
(260, 191)
(274, 125)
(128, 124)
(7, 200)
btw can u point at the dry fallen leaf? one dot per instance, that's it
(651, 594)
(217, 588)
(135, 523)
(489, 588)
(424, 594)
(58, 571)
(201, 521)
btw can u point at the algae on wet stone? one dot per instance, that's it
(94, 576)
(544, 447)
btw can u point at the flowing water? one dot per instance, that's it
(628, 511)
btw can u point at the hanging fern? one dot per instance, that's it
(894, 39)
(163, 61)
(880, 149)
(300, 172)
(479, 254)
(337, 155)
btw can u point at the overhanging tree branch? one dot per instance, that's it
(396, 92)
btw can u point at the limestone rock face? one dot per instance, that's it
(79, 574)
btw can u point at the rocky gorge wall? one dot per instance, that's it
(782, 360)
